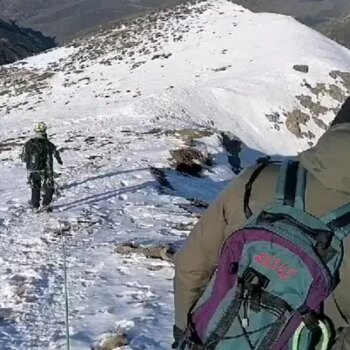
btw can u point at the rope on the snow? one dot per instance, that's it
(65, 287)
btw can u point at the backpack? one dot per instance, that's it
(36, 154)
(273, 276)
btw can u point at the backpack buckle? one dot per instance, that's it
(253, 283)
(255, 278)
(310, 318)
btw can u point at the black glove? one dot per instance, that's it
(178, 335)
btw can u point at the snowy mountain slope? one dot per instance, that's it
(215, 54)
(113, 101)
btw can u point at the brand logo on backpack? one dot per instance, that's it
(272, 263)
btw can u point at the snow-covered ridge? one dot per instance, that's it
(211, 61)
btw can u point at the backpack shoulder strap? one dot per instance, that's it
(339, 221)
(291, 185)
(248, 187)
(291, 191)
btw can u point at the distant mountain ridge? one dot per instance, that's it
(68, 19)
(17, 43)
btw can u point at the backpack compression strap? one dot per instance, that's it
(339, 221)
(291, 185)
(291, 191)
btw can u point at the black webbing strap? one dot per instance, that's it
(248, 187)
(290, 186)
(341, 222)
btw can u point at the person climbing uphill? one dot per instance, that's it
(38, 153)
(268, 264)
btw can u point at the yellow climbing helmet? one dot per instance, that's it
(40, 127)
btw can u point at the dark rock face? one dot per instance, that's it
(301, 68)
(17, 43)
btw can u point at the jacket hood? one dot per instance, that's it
(329, 160)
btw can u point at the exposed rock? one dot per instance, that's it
(320, 123)
(303, 68)
(17, 43)
(112, 341)
(275, 118)
(155, 57)
(315, 108)
(344, 76)
(190, 161)
(336, 92)
(310, 135)
(16, 81)
(294, 120)
(221, 69)
(153, 252)
(189, 136)
(90, 140)
(333, 90)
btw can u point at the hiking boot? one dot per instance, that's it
(47, 208)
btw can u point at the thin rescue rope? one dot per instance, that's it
(325, 336)
(65, 287)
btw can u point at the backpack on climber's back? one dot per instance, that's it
(273, 276)
(35, 154)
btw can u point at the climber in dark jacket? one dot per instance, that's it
(38, 153)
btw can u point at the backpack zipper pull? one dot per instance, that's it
(245, 320)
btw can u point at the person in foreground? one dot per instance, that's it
(268, 264)
(38, 155)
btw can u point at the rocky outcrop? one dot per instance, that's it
(17, 43)
(303, 68)
(190, 161)
(311, 106)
